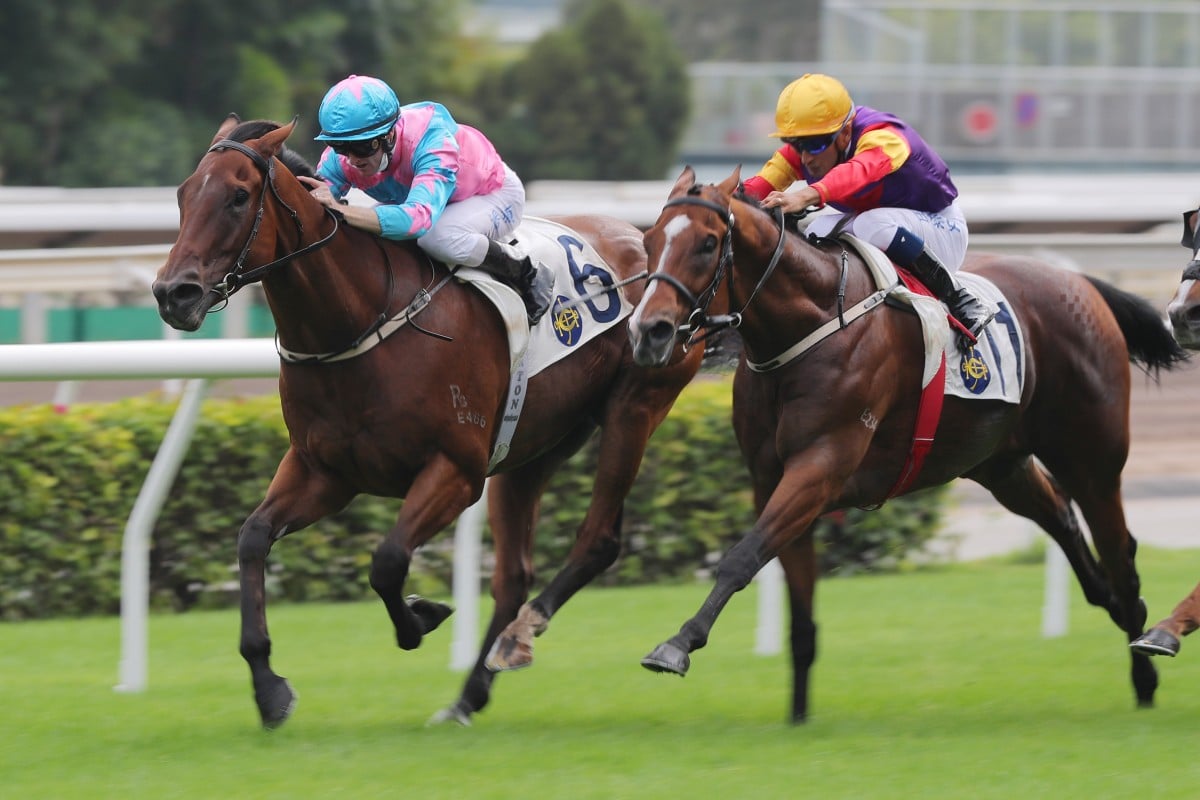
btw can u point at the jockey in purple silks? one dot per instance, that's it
(892, 189)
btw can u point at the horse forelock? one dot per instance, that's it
(256, 129)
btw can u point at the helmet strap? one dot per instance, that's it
(389, 143)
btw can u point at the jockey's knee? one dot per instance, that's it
(455, 246)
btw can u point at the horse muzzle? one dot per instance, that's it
(653, 342)
(182, 304)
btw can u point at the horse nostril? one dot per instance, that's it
(180, 295)
(660, 333)
(186, 294)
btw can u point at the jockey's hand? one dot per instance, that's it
(793, 202)
(319, 190)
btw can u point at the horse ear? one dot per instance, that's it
(229, 123)
(685, 181)
(730, 184)
(272, 142)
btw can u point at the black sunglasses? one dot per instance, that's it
(813, 145)
(359, 148)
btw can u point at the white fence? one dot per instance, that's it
(200, 361)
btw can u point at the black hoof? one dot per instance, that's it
(1155, 642)
(429, 612)
(275, 703)
(668, 658)
(455, 714)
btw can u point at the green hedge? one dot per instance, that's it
(69, 480)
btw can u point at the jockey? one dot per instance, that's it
(436, 181)
(891, 189)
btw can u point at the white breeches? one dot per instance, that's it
(461, 234)
(945, 233)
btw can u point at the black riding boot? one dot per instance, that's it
(909, 251)
(535, 285)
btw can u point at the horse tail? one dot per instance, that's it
(1150, 342)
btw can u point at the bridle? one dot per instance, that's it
(380, 328)
(699, 318)
(239, 276)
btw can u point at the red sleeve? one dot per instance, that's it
(757, 187)
(844, 180)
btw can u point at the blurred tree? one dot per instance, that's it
(603, 98)
(128, 92)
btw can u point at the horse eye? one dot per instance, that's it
(709, 244)
(240, 196)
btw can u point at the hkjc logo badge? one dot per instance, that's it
(974, 371)
(568, 322)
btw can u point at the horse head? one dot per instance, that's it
(221, 220)
(690, 251)
(1184, 309)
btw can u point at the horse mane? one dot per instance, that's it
(255, 128)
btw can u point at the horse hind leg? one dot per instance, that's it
(512, 513)
(1026, 489)
(1111, 582)
(1105, 517)
(800, 568)
(624, 434)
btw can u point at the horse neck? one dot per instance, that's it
(799, 295)
(326, 298)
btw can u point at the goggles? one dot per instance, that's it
(813, 145)
(358, 148)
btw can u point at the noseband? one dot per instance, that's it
(239, 276)
(698, 319)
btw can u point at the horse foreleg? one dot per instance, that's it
(800, 567)
(439, 494)
(735, 571)
(296, 498)
(1164, 638)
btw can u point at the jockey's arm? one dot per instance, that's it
(363, 217)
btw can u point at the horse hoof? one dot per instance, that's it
(508, 653)
(276, 704)
(1155, 642)
(454, 714)
(430, 613)
(668, 658)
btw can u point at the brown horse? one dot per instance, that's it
(417, 415)
(1184, 314)
(834, 427)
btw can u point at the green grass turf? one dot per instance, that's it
(932, 684)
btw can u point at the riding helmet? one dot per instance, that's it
(812, 105)
(357, 108)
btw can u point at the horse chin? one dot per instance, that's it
(187, 319)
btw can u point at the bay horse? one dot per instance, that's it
(1183, 312)
(415, 416)
(834, 427)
